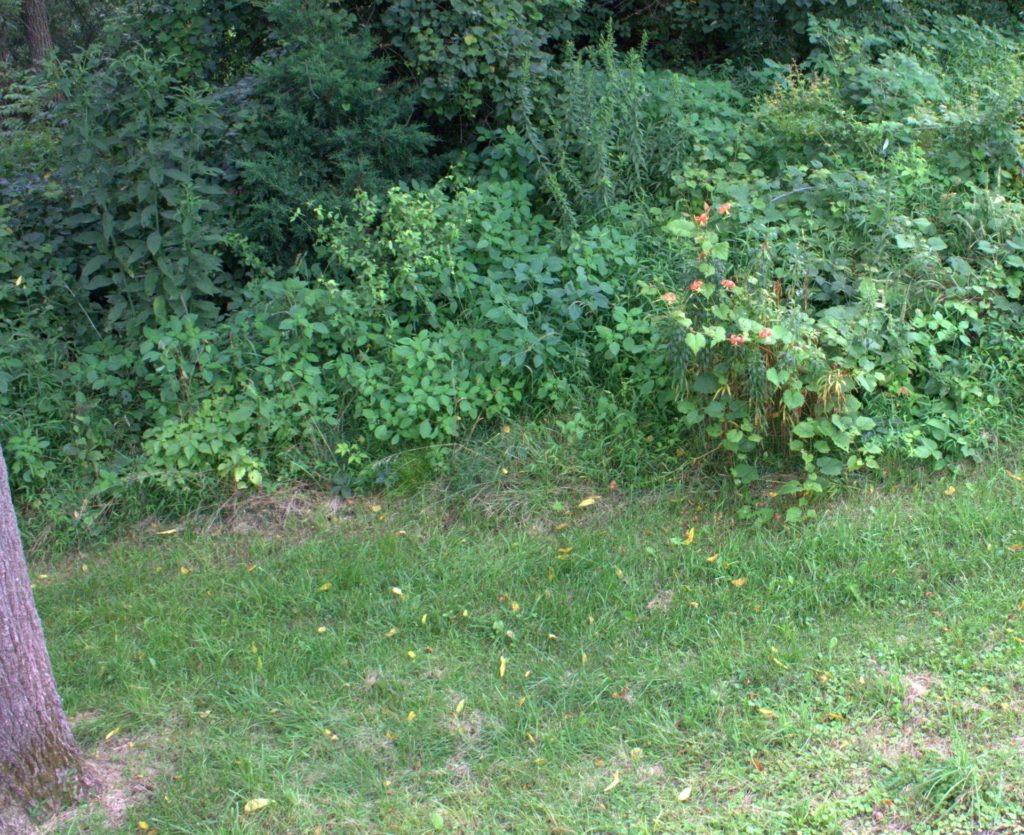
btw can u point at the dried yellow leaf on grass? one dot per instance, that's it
(501, 667)
(255, 805)
(739, 582)
(460, 706)
(411, 716)
(143, 825)
(589, 501)
(391, 632)
(184, 569)
(684, 795)
(1014, 476)
(1017, 546)
(325, 587)
(113, 733)
(320, 630)
(397, 592)
(375, 508)
(950, 491)
(615, 781)
(690, 534)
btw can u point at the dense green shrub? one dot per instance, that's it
(319, 119)
(609, 132)
(470, 56)
(210, 265)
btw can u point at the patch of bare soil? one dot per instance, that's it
(269, 514)
(121, 780)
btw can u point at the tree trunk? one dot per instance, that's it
(37, 29)
(40, 764)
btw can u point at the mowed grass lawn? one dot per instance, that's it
(389, 669)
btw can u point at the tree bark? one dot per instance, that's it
(37, 29)
(40, 764)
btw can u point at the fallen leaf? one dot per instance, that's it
(621, 694)
(950, 491)
(779, 663)
(767, 712)
(690, 534)
(1014, 476)
(561, 526)
(460, 706)
(684, 795)
(184, 570)
(588, 501)
(113, 733)
(391, 632)
(613, 783)
(255, 805)
(325, 587)
(712, 558)
(757, 763)
(515, 606)
(397, 592)
(143, 825)
(1017, 546)
(411, 716)
(375, 508)
(739, 582)
(501, 667)
(619, 573)
(411, 655)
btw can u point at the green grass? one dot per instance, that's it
(866, 676)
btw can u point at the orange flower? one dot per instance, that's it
(724, 209)
(737, 338)
(728, 284)
(668, 298)
(702, 219)
(765, 333)
(696, 285)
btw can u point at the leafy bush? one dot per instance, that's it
(320, 120)
(470, 57)
(609, 132)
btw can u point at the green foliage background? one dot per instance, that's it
(348, 243)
